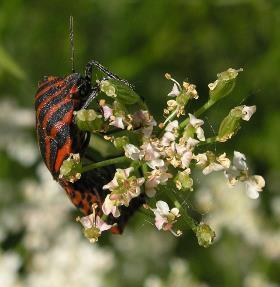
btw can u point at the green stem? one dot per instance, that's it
(199, 112)
(208, 141)
(107, 162)
(189, 220)
(185, 216)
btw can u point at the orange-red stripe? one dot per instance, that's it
(62, 153)
(48, 88)
(49, 99)
(58, 125)
(53, 109)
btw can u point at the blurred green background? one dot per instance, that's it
(140, 40)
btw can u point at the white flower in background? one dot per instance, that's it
(132, 152)
(123, 188)
(156, 177)
(165, 218)
(196, 124)
(247, 112)
(93, 225)
(9, 264)
(210, 162)
(238, 171)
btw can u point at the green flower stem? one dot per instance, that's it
(199, 112)
(208, 141)
(121, 159)
(185, 216)
(189, 220)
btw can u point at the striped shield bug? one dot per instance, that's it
(56, 100)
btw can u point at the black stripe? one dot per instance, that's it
(62, 135)
(58, 115)
(52, 103)
(45, 83)
(53, 153)
(49, 93)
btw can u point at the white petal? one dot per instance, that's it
(247, 112)
(186, 159)
(102, 225)
(162, 207)
(195, 122)
(160, 221)
(175, 91)
(239, 161)
(200, 134)
(155, 163)
(107, 112)
(172, 126)
(132, 152)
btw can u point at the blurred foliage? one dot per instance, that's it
(141, 40)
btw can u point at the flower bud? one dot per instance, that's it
(88, 120)
(223, 85)
(230, 124)
(71, 168)
(122, 92)
(205, 235)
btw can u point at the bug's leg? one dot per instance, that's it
(85, 144)
(92, 95)
(88, 72)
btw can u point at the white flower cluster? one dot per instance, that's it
(164, 156)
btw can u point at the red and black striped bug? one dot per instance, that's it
(55, 102)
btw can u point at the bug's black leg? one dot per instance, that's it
(88, 72)
(92, 95)
(85, 143)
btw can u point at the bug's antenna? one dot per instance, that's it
(71, 35)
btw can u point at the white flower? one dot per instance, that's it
(93, 225)
(254, 185)
(107, 112)
(247, 112)
(123, 188)
(164, 217)
(151, 154)
(156, 177)
(209, 162)
(239, 161)
(117, 122)
(132, 152)
(191, 143)
(197, 123)
(170, 133)
(239, 171)
(110, 206)
(175, 91)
